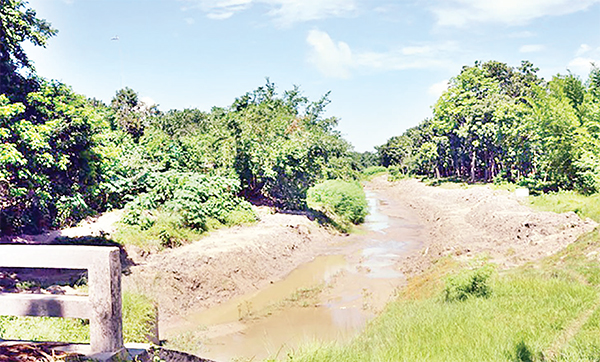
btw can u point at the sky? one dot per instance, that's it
(385, 62)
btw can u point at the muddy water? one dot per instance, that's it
(329, 299)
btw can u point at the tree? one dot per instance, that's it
(131, 114)
(18, 24)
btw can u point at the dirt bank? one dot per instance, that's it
(476, 221)
(227, 263)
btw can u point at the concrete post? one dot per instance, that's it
(103, 304)
(104, 280)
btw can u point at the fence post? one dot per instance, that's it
(104, 280)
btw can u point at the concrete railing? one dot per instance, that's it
(102, 306)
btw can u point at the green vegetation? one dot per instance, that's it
(472, 283)
(64, 157)
(344, 203)
(372, 171)
(501, 123)
(584, 206)
(139, 320)
(545, 312)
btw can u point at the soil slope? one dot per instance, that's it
(476, 221)
(227, 263)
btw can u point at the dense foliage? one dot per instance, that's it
(497, 122)
(63, 156)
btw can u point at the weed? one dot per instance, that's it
(471, 283)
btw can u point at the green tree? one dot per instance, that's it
(17, 25)
(130, 113)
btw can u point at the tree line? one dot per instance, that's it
(496, 122)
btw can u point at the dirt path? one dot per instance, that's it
(96, 226)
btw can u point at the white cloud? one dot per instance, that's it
(220, 15)
(437, 89)
(337, 60)
(581, 65)
(521, 34)
(585, 55)
(189, 21)
(512, 12)
(583, 48)
(333, 60)
(416, 50)
(531, 48)
(287, 12)
(284, 12)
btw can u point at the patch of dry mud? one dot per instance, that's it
(481, 221)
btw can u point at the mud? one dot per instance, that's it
(330, 298)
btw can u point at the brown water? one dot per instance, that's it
(339, 293)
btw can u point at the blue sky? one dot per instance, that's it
(385, 62)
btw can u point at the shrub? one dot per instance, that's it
(197, 200)
(343, 202)
(471, 283)
(204, 197)
(395, 173)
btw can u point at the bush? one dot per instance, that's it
(395, 173)
(343, 202)
(197, 200)
(204, 197)
(472, 283)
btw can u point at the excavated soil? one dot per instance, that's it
(480, 221)
(462, 222)
(227, 263)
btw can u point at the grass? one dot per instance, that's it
(584, 206)
(343, 203)
(371, 172)
(165, 230)
(540, 312)
(139, 320)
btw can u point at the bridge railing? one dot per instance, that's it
(102, 307)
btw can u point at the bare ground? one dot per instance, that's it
(480, 221)
(464, 223)
(227, 263)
